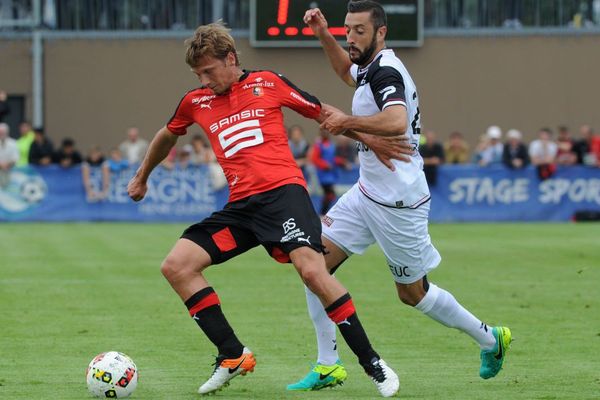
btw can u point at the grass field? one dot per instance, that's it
(70, 291)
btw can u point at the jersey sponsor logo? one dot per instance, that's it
(261, 84)
(198, 100)
(387, 91)
(240, 136)
(302, 99)
(206, 105)
(256, 113)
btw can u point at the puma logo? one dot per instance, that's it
(307, 240)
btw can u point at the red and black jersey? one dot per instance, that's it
(245, 128)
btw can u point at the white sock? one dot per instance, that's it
(443, 307)
(325, 329)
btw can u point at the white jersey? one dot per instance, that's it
(386, 82)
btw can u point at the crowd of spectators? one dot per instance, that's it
(493, 148)
(320, 161)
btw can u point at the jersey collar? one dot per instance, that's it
(365, 69)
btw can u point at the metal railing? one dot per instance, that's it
(180, 15)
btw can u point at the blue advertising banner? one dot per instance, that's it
(463, 193)
(57, 194)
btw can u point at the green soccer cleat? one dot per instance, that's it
(492, 360)
(321, 376)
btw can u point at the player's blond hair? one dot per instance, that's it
(212, 40)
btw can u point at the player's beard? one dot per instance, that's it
(364, 56)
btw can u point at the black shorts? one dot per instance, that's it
(281, 220)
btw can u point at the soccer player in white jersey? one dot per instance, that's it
(387, 207)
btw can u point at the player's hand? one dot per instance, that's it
(335, 122)
(136, 189)
(388, 148)
(316, 21)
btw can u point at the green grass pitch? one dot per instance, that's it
(70, 291)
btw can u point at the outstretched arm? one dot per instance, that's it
(392, 121)
(338, 57)
(159, 148)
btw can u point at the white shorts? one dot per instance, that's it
(355, 222)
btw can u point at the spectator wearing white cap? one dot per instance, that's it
(492, 154)
(515, 155)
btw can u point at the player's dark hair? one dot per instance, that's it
(378, 16)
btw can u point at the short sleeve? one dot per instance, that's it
(354, 72)
(388, 88)
(182, 118)
(298, 100)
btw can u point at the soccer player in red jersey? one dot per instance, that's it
(240, 112)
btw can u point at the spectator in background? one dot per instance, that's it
(170, 160)
(115, 162)
(299, 147)
(595, 148)
(543, 153)
(323, 158)
(202, 154)
(481, 146)
(9, 154)
(433, 156)
(134, 148)
(515, 155)
(492, 154)
(345, 152)
(201, 151)
(566, 147)
(543, 150)
(582, 145)
(456, 149)
(41, 150)
(67, 156)
(184, 157)
(4, 108)
(588, 146)
(95, 160)
(24, 143)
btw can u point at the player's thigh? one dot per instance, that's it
(344, 225)
(285, 220)
(221, 237)
(404, 238)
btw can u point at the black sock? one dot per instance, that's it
(342, 312)
(205, 308)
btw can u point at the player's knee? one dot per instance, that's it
(310, 276)
(411, 295)
(409, 299)
(175, 269)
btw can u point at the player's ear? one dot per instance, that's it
(381, 32)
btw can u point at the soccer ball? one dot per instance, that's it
(112, 375)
